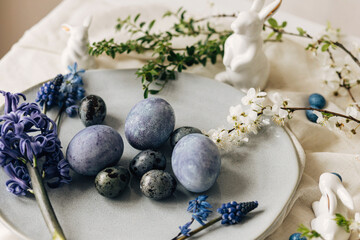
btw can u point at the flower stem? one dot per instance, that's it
(293, 109)
(215, 220)
(44, 203)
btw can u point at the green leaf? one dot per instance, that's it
(183, 15)
(152, 91)
(167, 14)
(136, 18)
(284, 24)
(190, 50)
(270, 35)
(301, 31)
(278, 37)
(180, 67)
(142, 24)
(325, 47)
(212, 30)
(273, 22)
(146, 92)
(151, 24)
(342, 222)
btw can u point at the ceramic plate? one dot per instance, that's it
(266, 169)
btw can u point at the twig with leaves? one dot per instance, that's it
(167, 60)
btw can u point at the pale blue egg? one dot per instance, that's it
(196, 162)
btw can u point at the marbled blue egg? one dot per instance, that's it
(93, 149)
(317, 101)
(196, 162)
(311, 116)
(297, 236)
(149, 123)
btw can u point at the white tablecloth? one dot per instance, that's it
(294, 73)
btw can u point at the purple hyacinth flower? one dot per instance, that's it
(19, 183)
(27, 134)
(11, 101)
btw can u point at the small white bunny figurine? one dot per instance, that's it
(330, 185)
(77, 49)
(244, 58)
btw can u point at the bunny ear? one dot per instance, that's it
(269, 9)
(87, 21)
(257, 5)
(331, 199)
(345, 197)
(66, 27)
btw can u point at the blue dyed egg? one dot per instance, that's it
(311, 116)
(93, 149)
(317, 101)
(196, 162)
(149, 123)
(296, 236)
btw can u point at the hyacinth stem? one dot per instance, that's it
(44, 204)
(59, 120)
(215, 220)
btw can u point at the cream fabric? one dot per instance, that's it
(294, 73)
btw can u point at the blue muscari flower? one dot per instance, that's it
(72, 110)
(234, 212)
(25, 135)
(63, 91)
(200, 209)
(184, 230)
(75, 74)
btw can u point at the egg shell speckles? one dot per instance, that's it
(93, 149)
(145, 161)
(180, 133)
(149, 123)
(92, 110)
(196, 162)
(111, 181)
(157, 184)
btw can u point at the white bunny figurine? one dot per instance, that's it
(330, 185)
(244, 58)
(77, 49)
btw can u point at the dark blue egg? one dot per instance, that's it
(311, 116)
(317, 101)
(296, 236)
(149, 123)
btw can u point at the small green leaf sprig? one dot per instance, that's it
(347, 224)
(167, 60)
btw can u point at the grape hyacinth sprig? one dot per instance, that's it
(200, 210)
(64, 91)
(27, 137)
(231, 213)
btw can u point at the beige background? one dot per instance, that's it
(16, 16)
(324, 149)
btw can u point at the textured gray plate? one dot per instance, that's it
(266, 169)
